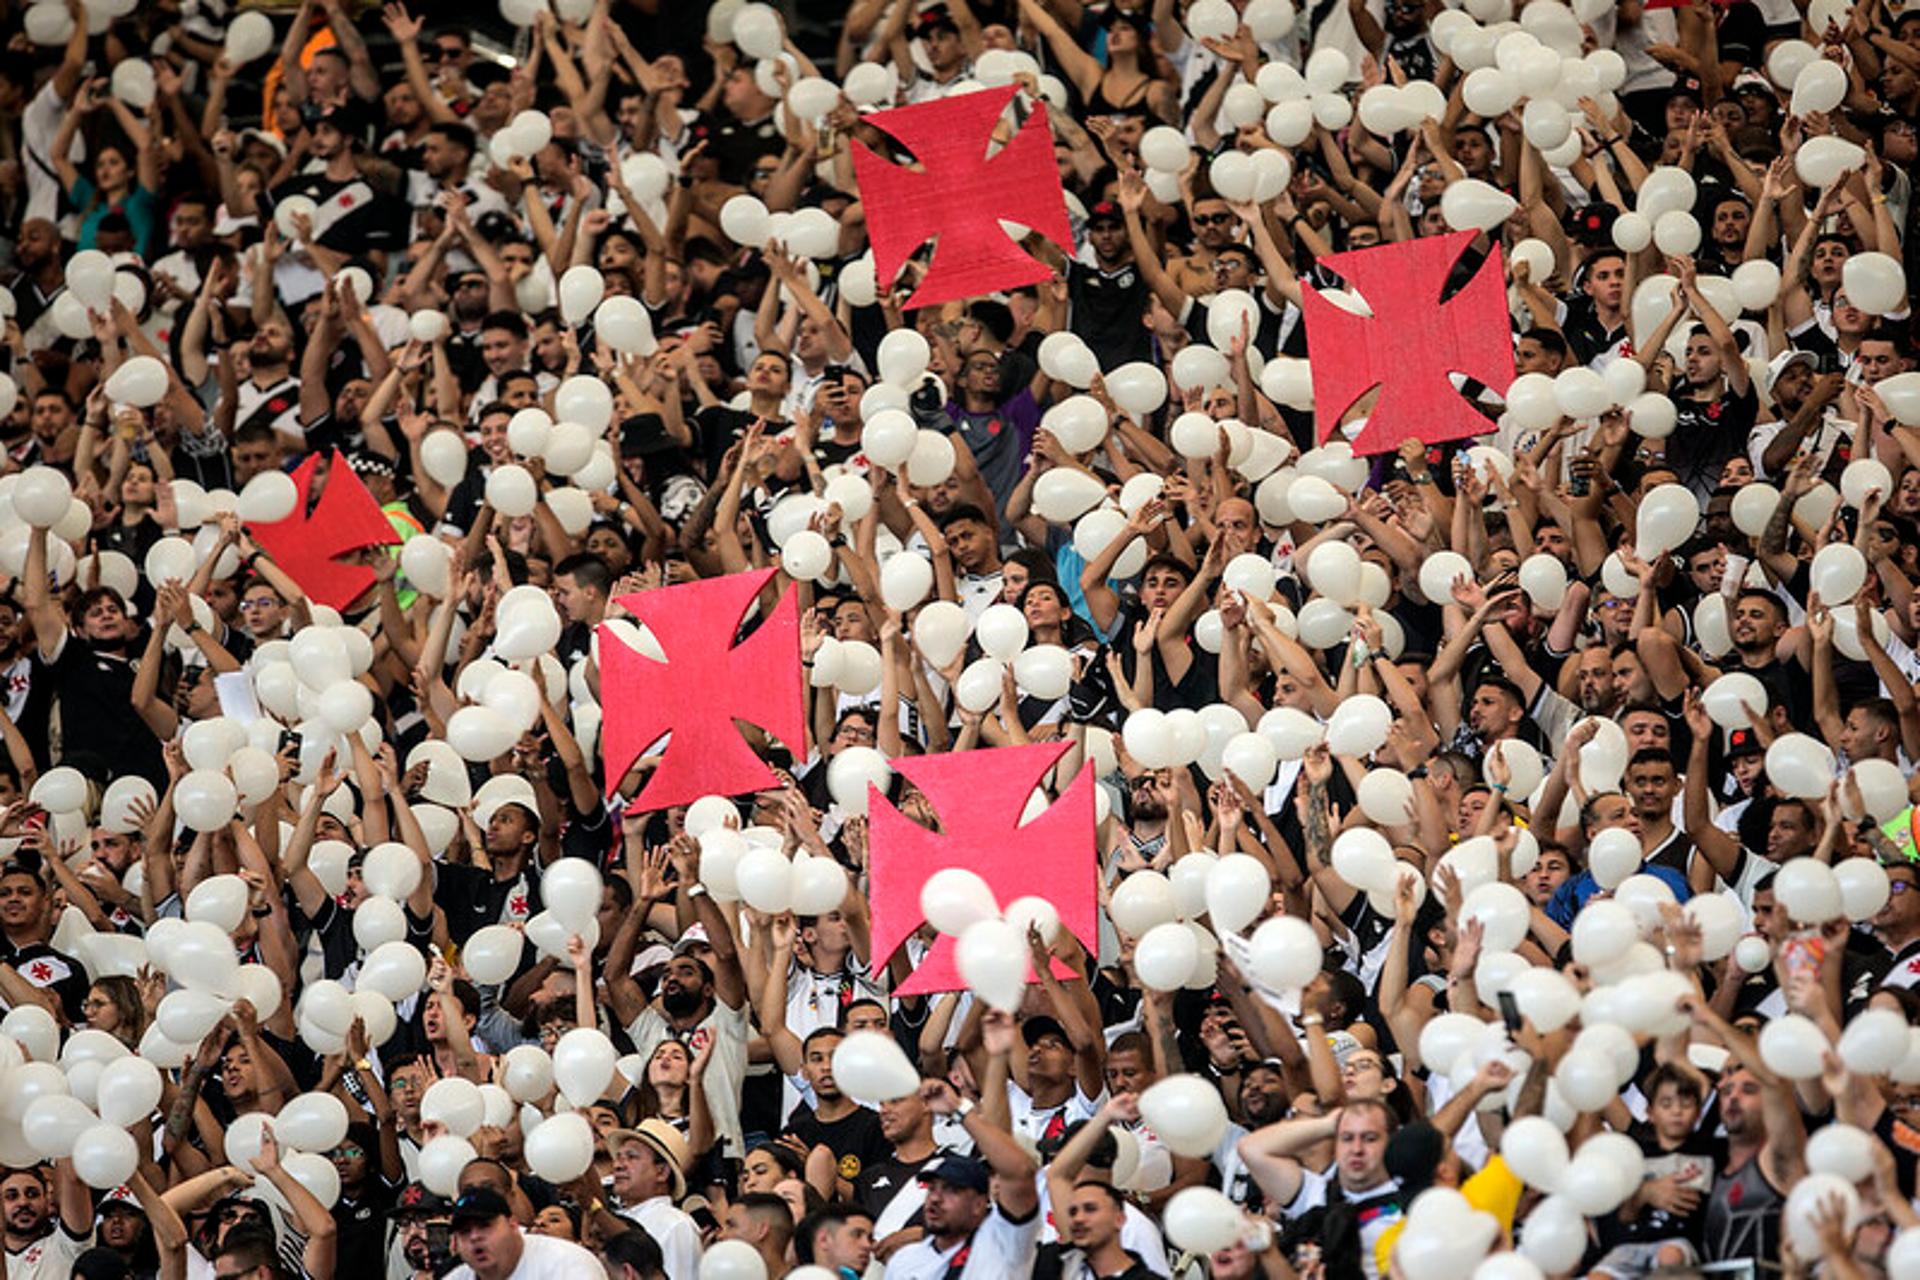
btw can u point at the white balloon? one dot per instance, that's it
(440, 1162)
(992, 959)
(1237, 891)
(1469, 204)
(128, 1091)
(1800, 766)
(1185, 1112)
(583, 1062)
(1286, 953)
(105, 1156)
(1201, 1220)
(560, 1148)
(311, 1122)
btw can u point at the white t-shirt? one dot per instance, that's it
(725, 1073)
(1034, 1122)
(50, 1257)
(544, 1258)
(673, 1231)
(998, 1249)
(39, 124)
(1313, 1194)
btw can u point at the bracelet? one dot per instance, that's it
(1499, 787)
(695, 890)
(1311, 1020)
(262, 913)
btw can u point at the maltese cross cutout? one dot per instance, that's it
(1411, 344)
(309, 543)
(699, 685)
(979, 797)
(958, 194)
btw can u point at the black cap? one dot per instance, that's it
(937, 19)
(481, 1204)
(645, 434)
(417, 1199)
(1104, 211)
(1743, 742)
(1033, 1028)
(957, 1171)
(347, 117)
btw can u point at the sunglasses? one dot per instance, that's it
(447, 52)
(1211, 219)
(1899, 886)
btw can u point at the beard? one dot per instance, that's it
(680, 1002)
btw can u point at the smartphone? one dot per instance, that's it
(439, 1244)
(1580, 482)
(1509, 1011)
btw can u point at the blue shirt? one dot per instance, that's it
(1573, 894)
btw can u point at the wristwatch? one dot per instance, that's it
(964, 1110)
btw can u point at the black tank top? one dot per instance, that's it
(1743, 1216)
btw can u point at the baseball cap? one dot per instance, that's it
(657, 954)
(957, 1171)
(937, 19)
(1034, 1028)
(347, 117)
(480, 1204)
(667, 1143)
(121, 1199)
(278, 144)
(1104, 211)
(416, 1199)
(1743, 742)
(1785, 361)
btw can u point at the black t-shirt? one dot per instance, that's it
(1708, 433)
(352, 216)
(49, 970)
(1107, 307)
(855, 1139)
(738, 144)
(338, 949)
(361, 1248)
(720, 426)
(95, 693)
(1693, 1163)
(28, 674)
(880, 1181)
(473, 899)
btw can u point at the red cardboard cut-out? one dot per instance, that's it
(959, 194)
(705, 683)
(308, 543)
(979, 797)
(1410, 343)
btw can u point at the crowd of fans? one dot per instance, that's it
(1504, 846)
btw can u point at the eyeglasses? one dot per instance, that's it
(261, 602)
(1211, 219)
(348, 1151)
(1899, 886)
(92, 1003)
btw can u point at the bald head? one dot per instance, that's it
(1236, 519)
